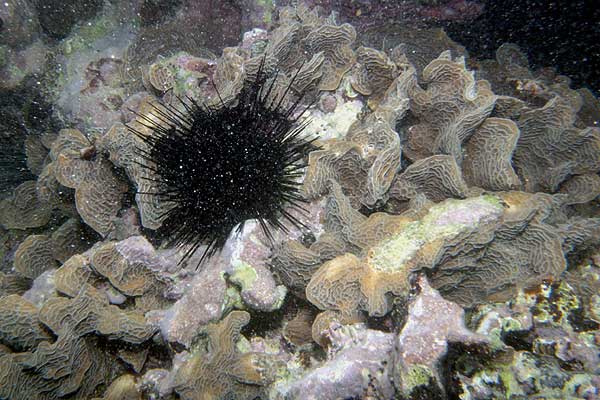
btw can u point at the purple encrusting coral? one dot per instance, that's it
(448, 246)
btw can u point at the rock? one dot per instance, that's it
(356, 367)
(432, 323)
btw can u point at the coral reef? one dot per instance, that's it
(24, 209)
(355, 367)
(223, 372)
(555, 356)
(432, 323)
(34, 255)
(394, 248)
(73, 363)
(448, 246)
(98, 191)
(21, 329)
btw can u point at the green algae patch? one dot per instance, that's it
(232, 300)
(84, 36)
(243, 345)
(417, 376)
(244, 275)
(268, 8)
(444, 221)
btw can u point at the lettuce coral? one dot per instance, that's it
(34, 256)
(222, 371)
(73, 363)
(20, 327)
(24, 210)
(450, 237)
(98, 191)
(550, 148)
(348, 282)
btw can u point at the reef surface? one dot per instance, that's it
(449, 249)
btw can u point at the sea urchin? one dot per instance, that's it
(221, 165)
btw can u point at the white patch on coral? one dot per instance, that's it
(333, 125)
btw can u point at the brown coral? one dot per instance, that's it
(69, 239)
(128, 326)
(416, 46)
(451, 108)
(89, 312)
(98, 191)
(19, 324)
(353, 228)
(159, 77)
(589, 114)
(488, 154)
(334, 41)
(13, 283)
(465, 246)
(36, 154)
(124, 148)
(222, 371)
(437, 178)
(72, 275)
(123, 388)
(298, 331)
(48, 189)
(339, 160)
(374, 72)
(73, 364)
(348, 282)
(98, 198)
(120, 144)
(18, 384)
(550, 148)
(127, 272)
(581, 188)
(69, 365)
(68, 140)
(294, 264)
(521, 252)
(380, 147)
(509, 67)
(336, 285)
(34, 256)
(303, 36)
(24, 209)
(365, 163)
(323, 322)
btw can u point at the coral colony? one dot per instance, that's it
(220, 165)
(439, 240)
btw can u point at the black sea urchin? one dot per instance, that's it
(222, 165)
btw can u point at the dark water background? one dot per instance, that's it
(560, 34)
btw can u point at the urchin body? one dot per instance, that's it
(220, 166)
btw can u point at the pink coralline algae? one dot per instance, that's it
(432, 323)
(356, 367)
